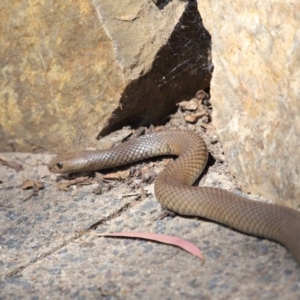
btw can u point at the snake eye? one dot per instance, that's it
(60, 165)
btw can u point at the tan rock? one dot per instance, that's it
(71, 70)
(54, 75)
(255, 92)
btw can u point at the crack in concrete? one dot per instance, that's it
(76, 236)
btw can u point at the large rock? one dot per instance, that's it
(255, 92)
(70, 71)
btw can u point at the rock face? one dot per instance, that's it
(54, 58)
(255, 93)
(71, 71)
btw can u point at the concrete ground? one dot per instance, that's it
(49, 249)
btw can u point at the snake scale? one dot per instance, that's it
(174, 191)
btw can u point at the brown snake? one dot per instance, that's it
(174, 191)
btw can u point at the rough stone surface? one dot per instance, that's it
(70, 71)
(256, 93)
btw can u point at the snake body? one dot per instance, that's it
(174, 191)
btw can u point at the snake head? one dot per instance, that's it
(56, 167)
(65, 164)
(71, 163)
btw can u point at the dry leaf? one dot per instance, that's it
(117, 175)
(161, 238)
(188, 105)
(35, 185)
(139, 132)
(32, 184)
(11, 164)
(64, 185)
(99, 176)
(113, 138)
(201, 95)
(195, 117)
